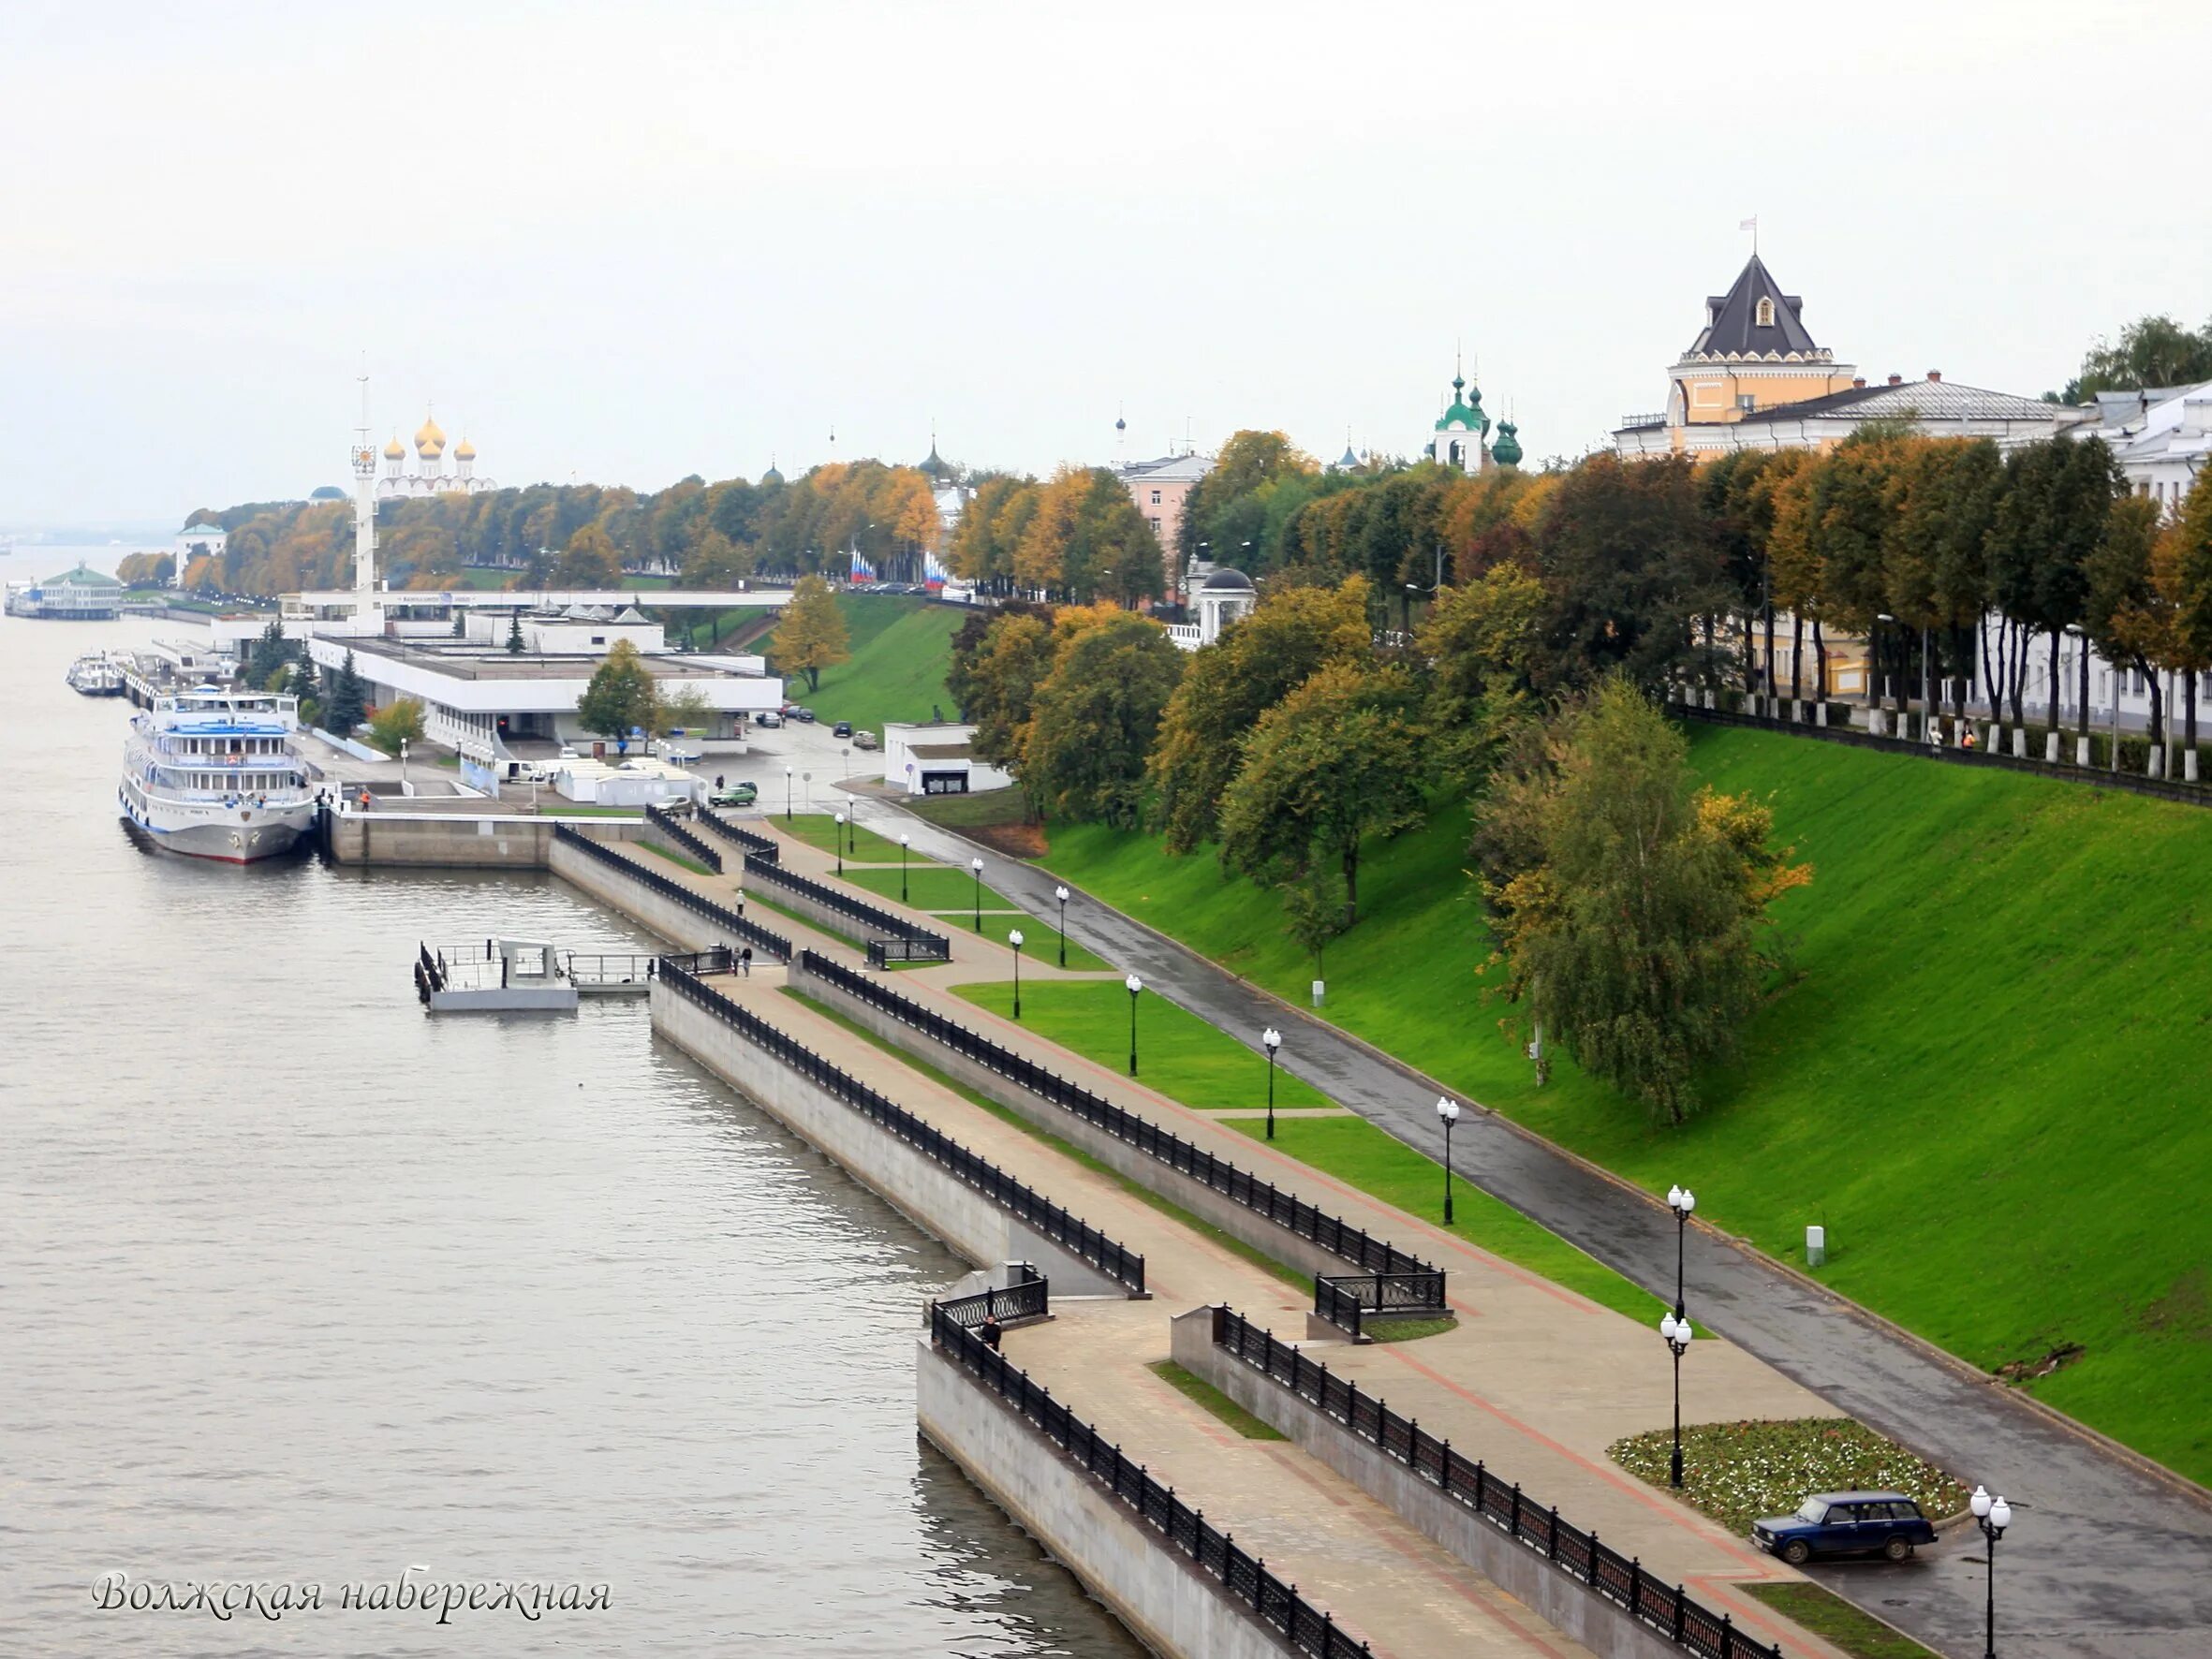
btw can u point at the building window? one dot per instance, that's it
(1767, 313)
(1156, 498)
(1154, 521)
(1747, 401)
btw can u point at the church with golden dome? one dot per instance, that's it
(430, 476)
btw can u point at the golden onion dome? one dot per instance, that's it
(392, 451)
(465, 450)
(430, 437)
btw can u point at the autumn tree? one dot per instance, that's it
(399, 721)
(716, 562)
(621, 696)
(995, 683)
(1096, 715)
(1231, 683)
(2129, 617)
(1336, 761)
(811, 635)
(589, 560)
(1629, 905)
(1480, 642)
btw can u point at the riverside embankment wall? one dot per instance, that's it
(1599, 1624)
(926, 1192)
(1248, 1227)
(1156, 1592)
(472, 841)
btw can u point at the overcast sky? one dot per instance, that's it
(624, 242)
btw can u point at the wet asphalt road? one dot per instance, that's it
(2104, 1558)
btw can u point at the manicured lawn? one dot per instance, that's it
(1985, 1081)
(901, 649)
(1739, 1473)
(1828, 1616)
(863, 844)
(484, 580)
(1355, 1151)
(990, 810)
(1194, 1387)
(1177, 1053)
(929, 887)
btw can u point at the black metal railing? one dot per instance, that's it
(1182, 1529)
(919, 945)
(736, 926)
(1952, 755)
(1073, 1234)
(1264, 1198)
(1619, 1579)
(758, 849)
(927, 947)
(1348, 1301)
(1030, 1296)
(682, 837)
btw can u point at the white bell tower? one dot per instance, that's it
(366, 618)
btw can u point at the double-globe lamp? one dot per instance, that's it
(1448, 1114)
(1992, 1515)
(1271, 1039)
(1133, 985)
(1676, 1331)
(1014, 938)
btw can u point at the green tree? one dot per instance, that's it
(1631, 905)
(1336, 761)
(400, 719)
(2184, 574)
(685, 709)
(621, 696)
(811, 635)
(349, 699)
(1097, 714)
(1231, 683)
(995, 685)
(2126, 613)
(1314, 905)
(2151, 351)
(514, 635)
(716, 562)
(269, 655)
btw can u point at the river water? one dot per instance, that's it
(297, 1283)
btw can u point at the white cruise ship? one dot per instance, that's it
(97, 675)
(214, 774)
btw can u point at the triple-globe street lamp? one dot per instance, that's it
(1677, 1332)
(1681, 1200)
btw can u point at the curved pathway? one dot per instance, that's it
(2108, 1555)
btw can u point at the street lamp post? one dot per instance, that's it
(840, 843)
(1681, 1200)
(787, 793)
(1677, 1332)
(1271, 1039)
(905, 841)
(403, 766)
(977, 866)
(1992, 1515)
(1014, 939)
(1133, 985)
(1060, 893)
(1448, 1114)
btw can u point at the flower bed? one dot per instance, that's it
(1738, 1473)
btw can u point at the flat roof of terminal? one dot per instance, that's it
(470, 661)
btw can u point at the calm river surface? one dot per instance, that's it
(296, 1284)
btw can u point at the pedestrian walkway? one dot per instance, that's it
(1535, 1379)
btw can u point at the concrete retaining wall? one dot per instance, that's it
(1600, 1626)
(1278, 1242)
(935, 1199)
(686, 929)
(452, 840)
(1151, 1588)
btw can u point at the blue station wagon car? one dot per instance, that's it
(1846, 1523)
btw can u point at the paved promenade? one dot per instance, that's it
(1535, 1379)
(2106, 1558)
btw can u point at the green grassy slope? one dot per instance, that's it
(1985, 1079)
(901, 649)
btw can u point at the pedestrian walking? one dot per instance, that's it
(745, 962)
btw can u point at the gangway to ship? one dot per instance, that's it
(508, 976)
